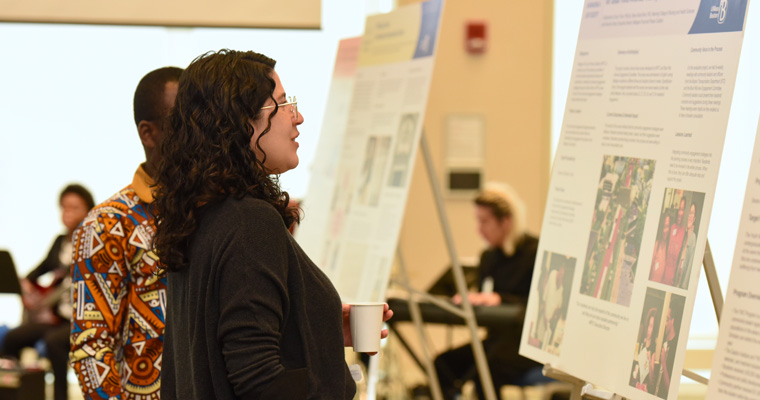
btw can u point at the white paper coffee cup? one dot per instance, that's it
(366, 324)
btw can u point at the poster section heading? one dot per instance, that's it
(637, 18)
(410, 33)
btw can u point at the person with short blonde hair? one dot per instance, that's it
(507, 207)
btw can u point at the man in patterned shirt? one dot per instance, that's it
(117, 327)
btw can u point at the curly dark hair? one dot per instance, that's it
(206, 150)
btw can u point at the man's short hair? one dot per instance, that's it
(149, 95)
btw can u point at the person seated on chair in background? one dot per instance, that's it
(48, 306)
(505, 272)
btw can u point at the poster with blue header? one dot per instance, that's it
(364, 203)
(631, 192)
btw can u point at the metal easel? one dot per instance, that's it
(465, 312)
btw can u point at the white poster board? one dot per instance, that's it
(736, 363)
(311, 233)
(631, 192)
(382, 134)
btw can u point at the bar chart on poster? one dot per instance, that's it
(631, 191)
(736, 363)
(356, 244)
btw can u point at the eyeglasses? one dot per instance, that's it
(291, 102)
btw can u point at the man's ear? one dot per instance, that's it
(147, 131)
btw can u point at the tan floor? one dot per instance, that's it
(692, 391)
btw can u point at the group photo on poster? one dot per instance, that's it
(656, 343)
(676, 242)
(547, 327)
(617, 227)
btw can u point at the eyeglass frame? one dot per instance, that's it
(292, 102)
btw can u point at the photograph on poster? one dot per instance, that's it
(617, 226)
(677, 237)
(548, 326)
(656, 343)
(370, 179)
(402, 151)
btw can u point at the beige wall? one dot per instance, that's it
(510, 85)
(293, 14)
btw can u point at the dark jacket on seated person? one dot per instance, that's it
(511, 280)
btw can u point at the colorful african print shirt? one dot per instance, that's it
(117, 327)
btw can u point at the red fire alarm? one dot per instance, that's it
(475, 37)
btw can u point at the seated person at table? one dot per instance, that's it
(505, 271)
(46, 294)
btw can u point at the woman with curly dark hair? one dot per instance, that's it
(249, 316)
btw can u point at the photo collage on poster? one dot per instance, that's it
(661, 316)
(547, 327)
(377, 156)
(617, 227)
(656, 342)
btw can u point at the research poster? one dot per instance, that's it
(311, 234)
(631, 191)
(371, 179)
(736, 363)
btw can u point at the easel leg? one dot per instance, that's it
(711, 275)
(414, 310)
(578, 384)
(469, 316)
(372, 377)
(712, 281)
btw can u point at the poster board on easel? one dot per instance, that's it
(357, 242)
(371, 182)
(631, 192)
(737, 355)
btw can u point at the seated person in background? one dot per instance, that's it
(48, 307)
(505, 272)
